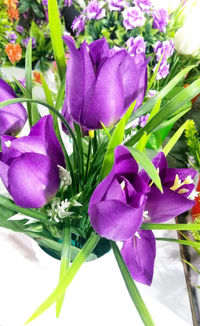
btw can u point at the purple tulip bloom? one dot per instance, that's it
(139, 254)
(12, 117)
(26, 41)
(29, 165)
(117, 204)
(133, 17)
(94, 76)
(160, 19)
(144, 5)
(178, 187)
(116, 4)
(136, 45)
(95, 10)
(78, 24)
(20, 29)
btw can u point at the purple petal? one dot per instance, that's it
(162, 207)
(115, 220)
(33, 180)
(99, 51)
(12, 117)
(139, 255)
(109, 108)
(182, 174)
(4, 173)
(76, 76)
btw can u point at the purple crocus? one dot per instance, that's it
(29, 165)
(133, 17)
(117, 204)
(178, 188)
(144, 5)
(116, 4)
(12, 117)
(26, 41)
(160, 19)
(136, 45)
(95, 74)
(78, 24)
(20, 29)
(95, 10)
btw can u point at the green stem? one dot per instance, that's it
(80, 157)
(183, 227)
(88, 159)
(74, 268)
(65, 261)
(132, 289)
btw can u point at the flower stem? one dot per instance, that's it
(65, 261)
(157, 226)
(132, 289)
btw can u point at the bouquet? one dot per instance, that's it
(86, 178)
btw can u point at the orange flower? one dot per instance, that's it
(14, 52)
(37, 77)
(13, 13)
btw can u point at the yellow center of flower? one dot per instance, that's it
(123, 185)
(177, 184)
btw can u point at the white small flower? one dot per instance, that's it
(65, 176)
(193, 195)
(146, 217)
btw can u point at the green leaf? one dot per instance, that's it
(148, 106)
(183, 227)
(33, 114)
(172, 106)
(56, 37)
(148, 166)
(173, 140)
(154, 75)
(64, 265)
(132, 289)
(115, 140)
(191, 243)
(75, 266)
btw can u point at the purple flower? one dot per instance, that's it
(117, 204)
(116, 4)
(177, 189)
(136, 45)
(166, 48)
(11, 36)
(163, 70)
(141, 121)
(133, 17)
(29, 165)
(151, 93)
(160, 19)
(68, 3)
(26, 41)
(95, 10)
(95, 74)
(78, 24)
(139, 254)
(20, 29)
(45, 3)
(12, 117)
(144, 5)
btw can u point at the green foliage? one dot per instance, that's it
(193, 142)
(5, 25)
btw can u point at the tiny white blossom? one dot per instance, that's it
(65, 176)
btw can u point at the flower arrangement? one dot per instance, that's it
(95, 179)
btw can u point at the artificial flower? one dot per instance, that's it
(94, 76)
(133, 17)
(13, 116)
(29, 165)
(116, 4)
(95, 10)
(14, 52)
(160, 19)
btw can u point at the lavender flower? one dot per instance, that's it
(20, 29)
(160, 19)
(78, 24)
(45, 3)
(141, 121)
(11, 36)
(116, 4)
(26, 41)
(136, 45)
(165, 48)
(144, 5)
(68, 3)
(95, 10)
(151, 93)
(133, 17)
